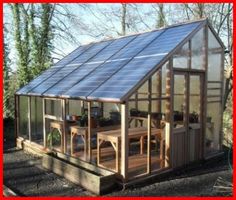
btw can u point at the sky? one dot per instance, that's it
(83, 23)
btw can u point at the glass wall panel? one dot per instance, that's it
(75, 107)
(23, 117)
(179, 100)
(214, 66)
(53, 107)
(180, 59)
(194, 99)
(107, 148)
(212, 41)
(213, 128)
(37, 120)
(159, 82)
(143, 91)
(197, 49)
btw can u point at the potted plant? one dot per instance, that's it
(102, 121)
(115, 116)
(83, 120)
(193, 117)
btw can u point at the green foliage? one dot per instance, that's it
(33, 42)
(53, 137)
(6, 76)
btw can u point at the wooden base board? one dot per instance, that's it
(90, 180)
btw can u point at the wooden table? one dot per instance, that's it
(114, 137)
(142, 119)
(79, 131)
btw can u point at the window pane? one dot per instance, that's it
(75, 107)
(194, 99)
(212, 41)
(37, 120)
(198, 50)
(53, 107)
(180, 59)
(212, 128)
(179, 99)
(159, 82)
(214, 67)
(23, 118)
(213, 92)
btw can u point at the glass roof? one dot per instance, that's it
(108, 70)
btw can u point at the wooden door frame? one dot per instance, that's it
(187, 73)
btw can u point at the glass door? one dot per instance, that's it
(187, 118)
(179, 119)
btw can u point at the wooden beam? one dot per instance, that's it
(53, 117)
(169, 112)
(64, 106)
(159, 88)
(222, 98)
(44, 124)
(89, 132)
(204, 93)
(149, 164)
(136, 107)
(124, 141)
(29, 117)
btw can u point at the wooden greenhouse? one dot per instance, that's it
(127, 109)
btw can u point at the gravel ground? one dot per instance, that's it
(24, 175)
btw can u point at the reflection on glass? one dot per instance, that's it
(37, 120)
(180, 59)
(179, 99)
(212, 128)
(23, 119)
(197, 50)
(194, 99)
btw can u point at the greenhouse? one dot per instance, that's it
(130, 107)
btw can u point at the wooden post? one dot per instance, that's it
(149, 127)
(64, 105)
(124, 140)
(89, 134)
(204, 93)
(169, 112)
(136, 107)
(44, 124)
(29, 118)
(159, 88)
(16, 116)
(222, 98)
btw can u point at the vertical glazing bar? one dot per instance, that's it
(222, 99)
(89, 150)
(149, 127)
(204, 97)
(124, 141)
(29, 117)
(44, 124)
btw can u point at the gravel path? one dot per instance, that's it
(24, 175)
